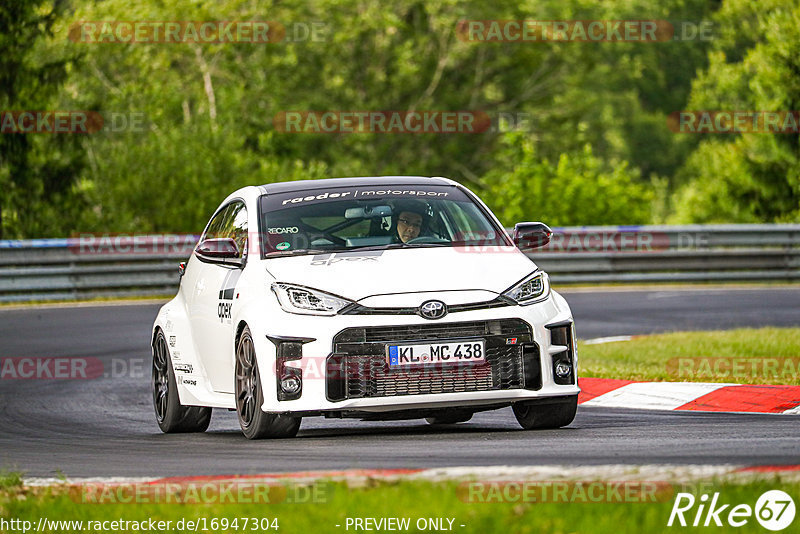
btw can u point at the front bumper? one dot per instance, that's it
(342, 363)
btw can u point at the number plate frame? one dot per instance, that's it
(395, 354)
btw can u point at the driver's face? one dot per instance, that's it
(408, 225)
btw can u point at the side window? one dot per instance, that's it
(238, 227)
(230, 222)
(215, 226)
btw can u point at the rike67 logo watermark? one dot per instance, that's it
(774, 510)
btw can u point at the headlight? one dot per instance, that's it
(307, 301)
(532, 288)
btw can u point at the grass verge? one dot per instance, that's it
(10, 479)
(94, 301)
(744, 356)
(571, 512)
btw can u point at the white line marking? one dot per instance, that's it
(653, 395)
(610, 339)
(611, 472)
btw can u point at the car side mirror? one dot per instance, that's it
(218, 250)
(530, 235)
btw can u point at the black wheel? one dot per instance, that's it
(450, 418)
(255, 423)
(170, 414)
(533, 415)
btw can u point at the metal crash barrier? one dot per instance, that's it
(92, 266)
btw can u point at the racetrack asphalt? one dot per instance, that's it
(106, 427)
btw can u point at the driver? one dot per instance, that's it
(409, 221)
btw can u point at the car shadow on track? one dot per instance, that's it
(402, 431)
(225, 426)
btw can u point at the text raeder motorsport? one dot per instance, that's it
(365, 193)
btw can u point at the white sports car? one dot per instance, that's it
(375, 298)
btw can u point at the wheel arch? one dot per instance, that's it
(156, 330)
(239, 329)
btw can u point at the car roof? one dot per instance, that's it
(307, 185)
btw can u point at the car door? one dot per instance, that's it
(213, 298)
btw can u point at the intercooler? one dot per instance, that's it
(357, 367)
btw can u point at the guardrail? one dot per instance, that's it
(693, 253)
(119, 266)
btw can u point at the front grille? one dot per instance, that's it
(433, 331)
(358, 367)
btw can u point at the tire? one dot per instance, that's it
(533, 415)
(450, 418)
(171, 415)
(255, 423)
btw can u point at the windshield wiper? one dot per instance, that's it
(372, 247)
(389, 246)
(297, 252)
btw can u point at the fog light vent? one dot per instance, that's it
(564, 362)
(289, 378)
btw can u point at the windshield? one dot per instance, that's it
(348, 218)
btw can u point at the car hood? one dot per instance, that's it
(359, 274)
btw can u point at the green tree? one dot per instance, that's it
(209, 107)
(37, 171)
(750, 177)
(579, 189)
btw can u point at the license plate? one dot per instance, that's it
(454, 352)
